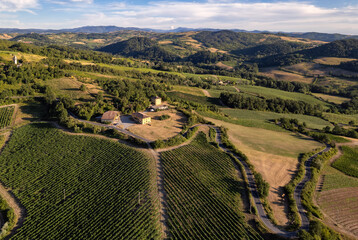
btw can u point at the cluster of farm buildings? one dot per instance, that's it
(139, 117)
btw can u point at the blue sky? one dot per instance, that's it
(290, 16)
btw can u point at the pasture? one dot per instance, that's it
(79, 187)
(203, 193)
(8, 55)
(340, 118)
(266, 117)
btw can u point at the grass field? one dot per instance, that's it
(340, 118)
(275, 93)
(332, 60)
(274, 154)
(71, 87)
(332, 99)
(189, 90)
(266, 117)
(77, 187)
(8, 55)
(348, 162)
(6, 114)
(203, 100)
(277, 74)
(203, 193)
(335, 179)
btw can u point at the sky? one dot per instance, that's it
(330, 16)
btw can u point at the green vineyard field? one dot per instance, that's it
(348, 162)
(6, 115)
(79, 187)
(203, 193)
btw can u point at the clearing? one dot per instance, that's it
(274, 154)
(160, 129)
(71, 87)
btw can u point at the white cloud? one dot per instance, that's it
(18, 5)
(277, 16)
(295, 16)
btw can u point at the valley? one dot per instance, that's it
(211, 160)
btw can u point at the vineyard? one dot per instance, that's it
(6, 115)
(203, 193)
(78, 187)
(348, 163)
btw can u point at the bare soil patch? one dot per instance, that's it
(341, 207)
(160, 129)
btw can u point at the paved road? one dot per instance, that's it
(259, 206)
(301, 185)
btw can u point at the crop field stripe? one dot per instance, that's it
(102, 180)
(200, 206)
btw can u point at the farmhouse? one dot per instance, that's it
(156, 101)
(110, 116)
(141, 118)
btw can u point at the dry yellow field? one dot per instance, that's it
(332, 60)
(274, 155)
(285, 76)
(330, 98)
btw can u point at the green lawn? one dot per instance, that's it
(79, 187)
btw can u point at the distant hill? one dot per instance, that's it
(139, 47)
(229, 40)
(32, 36)
(325, 37)
(347, 48)
(281, 47)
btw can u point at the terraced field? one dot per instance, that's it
(203, 193)
(77, 187)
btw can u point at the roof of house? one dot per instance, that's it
(109, 115)
(140, 115)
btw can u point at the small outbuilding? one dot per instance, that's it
(110, 116)
(141, 118)
(156, 101)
